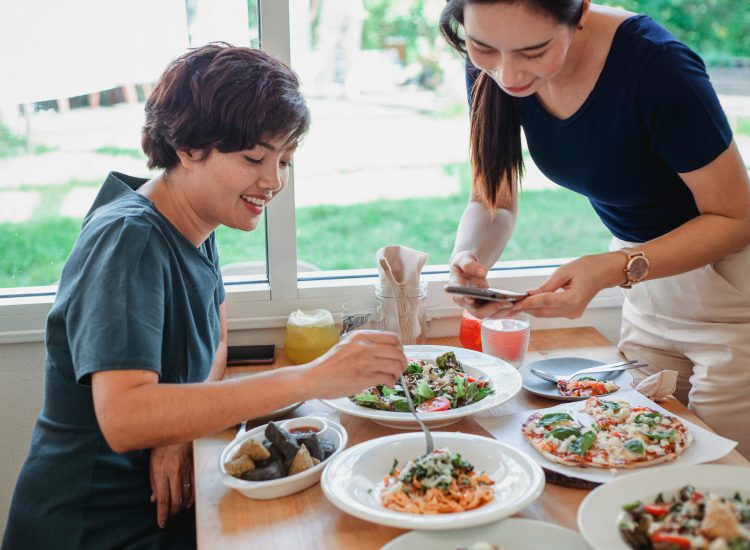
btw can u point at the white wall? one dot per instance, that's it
(21, 395)
(22, 386)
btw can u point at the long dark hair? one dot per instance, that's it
(496, 158)
(225, 98)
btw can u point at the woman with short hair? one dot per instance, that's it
(137, 338)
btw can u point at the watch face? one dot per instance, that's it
(638, 268)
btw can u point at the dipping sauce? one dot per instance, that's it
(303, 430)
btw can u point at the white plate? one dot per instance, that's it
(600, 510)
(275, 488)
(352, 480)
(504, 379)
(563, 366)
(511, 533)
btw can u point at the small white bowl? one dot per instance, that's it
(275, 488)
(319, 424)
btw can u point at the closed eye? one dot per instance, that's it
(534, 56)
(254, 161)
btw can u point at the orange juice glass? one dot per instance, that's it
(309, 334)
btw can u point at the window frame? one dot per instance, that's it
(23, 311)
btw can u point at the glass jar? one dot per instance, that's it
(309, 334)
(404, 311)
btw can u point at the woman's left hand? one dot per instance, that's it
(572, 286)
(171, 473)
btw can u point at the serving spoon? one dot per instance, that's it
(427, 434)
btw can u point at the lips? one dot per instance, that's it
(517, 90)
(254, 204)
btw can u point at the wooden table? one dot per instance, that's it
(226, 519)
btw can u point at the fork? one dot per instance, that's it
(611, 367)
(427, 434)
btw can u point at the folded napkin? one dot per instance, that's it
(399, 269)
(658, 386)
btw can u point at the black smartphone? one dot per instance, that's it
(486, 294)
(263, 354)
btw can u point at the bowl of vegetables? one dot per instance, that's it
(446, 384)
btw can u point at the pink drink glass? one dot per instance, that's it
(506, 339)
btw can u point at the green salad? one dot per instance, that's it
(437, 386)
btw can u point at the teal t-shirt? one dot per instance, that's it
(134, 294)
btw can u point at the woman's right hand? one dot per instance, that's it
(362, 359)
(466, 270)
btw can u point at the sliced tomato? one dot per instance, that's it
(697, 497)
(438, 403)
(676, 540)
(657, 510)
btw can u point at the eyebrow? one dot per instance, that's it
(525, 49)
(267, 146)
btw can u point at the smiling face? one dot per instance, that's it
(233, 189)
(520, 49)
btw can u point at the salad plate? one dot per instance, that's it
(515, 533)
(563, 366)
(354, 479)
(504, 380)
(600, 512)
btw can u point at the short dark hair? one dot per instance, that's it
(225, 98)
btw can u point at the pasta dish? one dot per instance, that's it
(441, 482)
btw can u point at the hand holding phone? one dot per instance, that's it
(486, 294)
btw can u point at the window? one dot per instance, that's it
(385, 161)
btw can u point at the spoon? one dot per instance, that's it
(427, 434)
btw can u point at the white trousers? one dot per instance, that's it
(698, 324)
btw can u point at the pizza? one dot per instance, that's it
(621, 435)
(586, 387)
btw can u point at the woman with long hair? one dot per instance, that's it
(614, 107)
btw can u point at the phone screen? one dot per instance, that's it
(486, 294)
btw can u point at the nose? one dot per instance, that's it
(271, 178)
(507, 72)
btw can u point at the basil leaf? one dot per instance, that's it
(564, 433)
(610, 405)
(552, 418)
(583, 443)
(650, 419)
(660, 435)
(635, 446)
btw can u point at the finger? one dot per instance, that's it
(558, 279)
(375, 336)
(175, 491)
(162, 500)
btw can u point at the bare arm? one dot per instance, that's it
(220, 359)
(134, 411)
(722, 194)
(480, 240)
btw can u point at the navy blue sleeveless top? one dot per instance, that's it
(651, 115)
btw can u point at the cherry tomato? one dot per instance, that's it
(677, 540)
(438, 403)
(657, 510)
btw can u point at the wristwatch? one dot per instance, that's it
(637, 267)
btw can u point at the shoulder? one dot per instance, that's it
(653, 46)
(123, 231)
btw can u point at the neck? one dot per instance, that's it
(168, 193)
